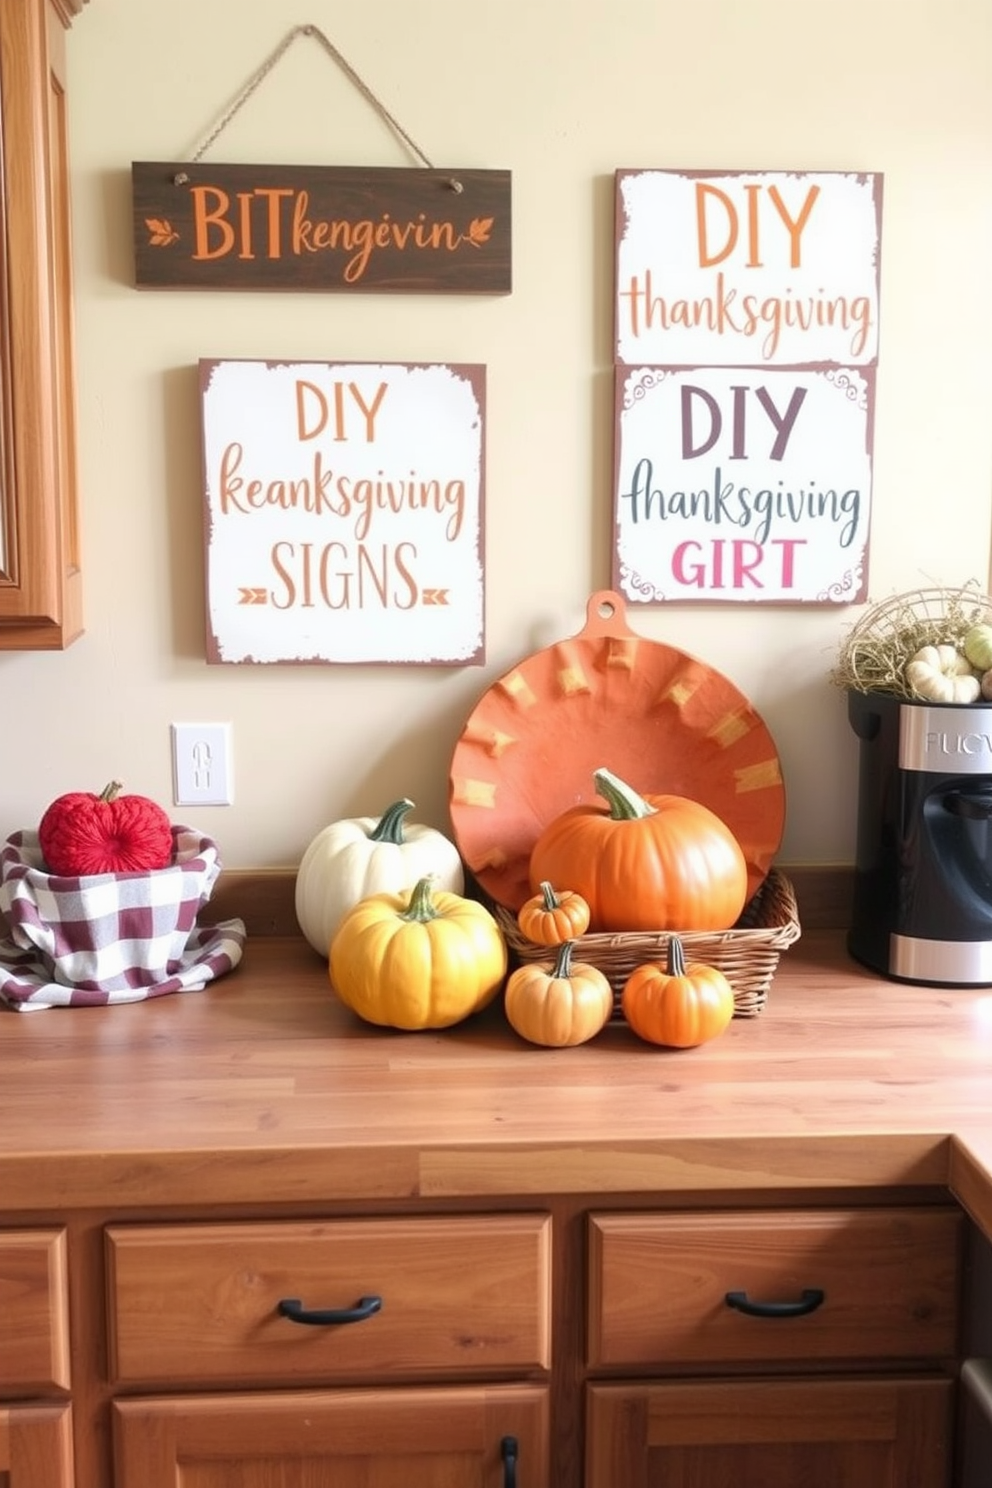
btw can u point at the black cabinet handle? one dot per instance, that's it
(292, 1308)
(808, 1302)
(508, 1450)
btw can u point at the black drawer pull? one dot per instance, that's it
(808, 1302)
(508, 1449)
(292, 1308)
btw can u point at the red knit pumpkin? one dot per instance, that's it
(81, 833)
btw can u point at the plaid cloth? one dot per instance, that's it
(109, 937)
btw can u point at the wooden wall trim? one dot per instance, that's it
(265, 897)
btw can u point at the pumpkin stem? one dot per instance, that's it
(422, 907)
(389, 827)
(676, 957)
(551, 900)
(563, 961)
(624, 803)
(112, 791)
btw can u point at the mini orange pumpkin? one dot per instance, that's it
(680, 1006)
(551, 916)
(561, 1005)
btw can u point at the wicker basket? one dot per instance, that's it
(873, 658)
(747, 955)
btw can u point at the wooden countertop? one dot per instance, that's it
(263, 1086)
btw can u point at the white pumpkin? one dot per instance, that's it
(362, 855)
(942, 674)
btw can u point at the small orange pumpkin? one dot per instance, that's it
(561, 1005)
(679, 1006)
(551, 916)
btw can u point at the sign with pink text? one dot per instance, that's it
(746, 348)
(343, 508)
(743, 484)
(739, 269)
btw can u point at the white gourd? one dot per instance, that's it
(942, 674)
(362, 855)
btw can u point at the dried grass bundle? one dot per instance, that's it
(875, 652)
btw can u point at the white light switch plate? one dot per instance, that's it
(201, 764)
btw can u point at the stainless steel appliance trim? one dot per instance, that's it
(976, 1375)
(952, 961)
(951, 740)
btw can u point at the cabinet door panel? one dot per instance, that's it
(34, 1332)
(36, 1446)
(40, 587)
(850, 1433)
(444, 1438)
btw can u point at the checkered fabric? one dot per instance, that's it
(109, 937)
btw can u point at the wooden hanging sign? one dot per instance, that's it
(346, 228)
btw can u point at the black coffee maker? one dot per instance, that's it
(923, 871)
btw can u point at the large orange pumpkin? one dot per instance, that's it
(644, 862)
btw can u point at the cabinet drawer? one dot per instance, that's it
(467, 1294)
(658, 1285)
(34, 1322)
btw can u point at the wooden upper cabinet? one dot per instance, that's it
(40, 598)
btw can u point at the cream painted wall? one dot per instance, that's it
(561, 94)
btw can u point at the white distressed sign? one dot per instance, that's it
(743, 484)
(344, 512)
(762, 268)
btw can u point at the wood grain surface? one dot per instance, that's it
(265, 1085)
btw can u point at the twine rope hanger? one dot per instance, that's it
(257, 77)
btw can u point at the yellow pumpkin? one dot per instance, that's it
(558, 1005)
(421, 959)
(680, 1006)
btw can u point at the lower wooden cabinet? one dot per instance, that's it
(773, 1348)
(571, 1346)
(403, 1352)
(771, 1433)
(36, 1446)
(486, 1436)
(35, 1434)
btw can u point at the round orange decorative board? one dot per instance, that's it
(662, 720)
